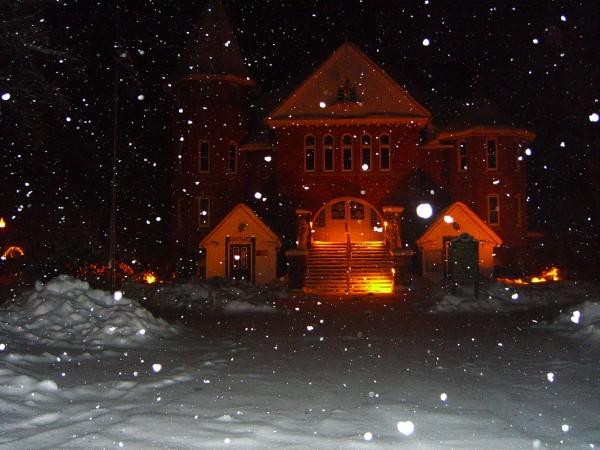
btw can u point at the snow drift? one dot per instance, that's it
(66, 312)
(581, 321)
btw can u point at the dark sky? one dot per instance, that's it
(535, 60)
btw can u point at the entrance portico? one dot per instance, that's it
(347, 219)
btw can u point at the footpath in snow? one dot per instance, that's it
(77, 372)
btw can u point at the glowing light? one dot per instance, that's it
(563, 18)
(6, 96)
(365, 167)
(552, 274)
(322, 105)
(13, 252)
(424, 211)
(149, 278)
(257, 195)
(535, 41)
(236, 257)
(594, 117)
(268, 158)
(426, 42)
(448, 219)
(575, 316)
(2, 223)
(528, 152)
(141, 97)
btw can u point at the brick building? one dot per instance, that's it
(336, 169)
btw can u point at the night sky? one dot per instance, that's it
(535, 60)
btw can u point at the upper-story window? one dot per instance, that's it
(462, 156)
(328, 153)
(203, 157)
(365, 152)
(232, 158)
(203, 212)
(517, 155)
(493, 209)
(309, 153)
(347, 92)
(347, 152)
(384, 152)
(491, 154)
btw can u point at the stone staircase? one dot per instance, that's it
(332, 270)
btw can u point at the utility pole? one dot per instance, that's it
(112, 258)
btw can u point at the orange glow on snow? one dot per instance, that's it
(552, 274)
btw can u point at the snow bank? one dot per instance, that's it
(65, 311)
(498, 297)
(582, 321)
(215, 295)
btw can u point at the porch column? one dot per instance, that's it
(401, 257)
(297, 256)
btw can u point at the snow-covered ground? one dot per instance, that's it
(370, 373)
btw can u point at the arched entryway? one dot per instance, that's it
(347, 217)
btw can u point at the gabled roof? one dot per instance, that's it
(249, 215)
(213, 49)
(375, 95)
(460, 210)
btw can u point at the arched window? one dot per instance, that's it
(328, 153)
(347, 152)
(365, 153)
(384, 152)
(232, 158)
(309, 153)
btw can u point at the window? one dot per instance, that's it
(493, 209)
(462, 156)
(357, 211)
(309, 153)
(518, 157)
(347, 93)
(384, 152)
(328, 152)
(492, 157)
(347, 152)
(338, 210)
(518, 211)
(375, 223)
(203, 212)
(365, 152)
(203, 157)
(232, 158)
(321, 219)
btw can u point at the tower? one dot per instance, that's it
(210, 120)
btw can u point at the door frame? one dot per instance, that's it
(241, 240)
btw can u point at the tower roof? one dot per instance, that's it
(213, 49)
(349, 86)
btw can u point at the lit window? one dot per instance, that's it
(347, 152)
(384, 152)
(374, 219)
(493, 210)
(492, 156)
(462, 156)
(365, 152)
(232, 158)
(309, 153)
(203, 157)
(328, 152)
(203, 212)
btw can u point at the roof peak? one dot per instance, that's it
(213, 48)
